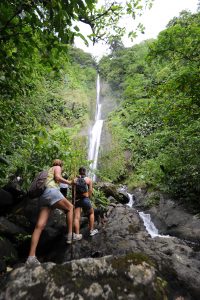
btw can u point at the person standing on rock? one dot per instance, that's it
(82, 192)
(50, 199)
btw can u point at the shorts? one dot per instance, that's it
(50, 197)
(84, 203)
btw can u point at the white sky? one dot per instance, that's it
(154, 20)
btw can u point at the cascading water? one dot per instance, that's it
(94, 143)
(150, 227)
(95, 134)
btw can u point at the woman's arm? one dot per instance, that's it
(58, 176)
(90, 188)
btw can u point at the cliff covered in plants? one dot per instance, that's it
(155, 131)
(44, 107)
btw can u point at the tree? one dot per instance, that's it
(158, 122)
(178, 48)
(35, 59)
(36, 30)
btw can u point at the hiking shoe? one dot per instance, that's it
(76, 237)
(93, 232)
(32, 261)
(69, 238)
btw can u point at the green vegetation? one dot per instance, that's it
(99, 199)
(158, 121)
(47, 86)
(48, 90)
(44, 122)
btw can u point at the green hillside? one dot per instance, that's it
(155, 131)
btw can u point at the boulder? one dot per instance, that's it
(122, 261)
(124, 233)
(169, 216)
(8, 254)
(6, 199)
(125, 277)
(8, 228)
(111, 191)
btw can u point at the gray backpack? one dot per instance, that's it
(38, 185)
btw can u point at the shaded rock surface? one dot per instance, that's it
(103, 278)
(110, 190)
(121, 262)
(168, 216)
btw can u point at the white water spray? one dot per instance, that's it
(149, 225)
(131, 201)
(95, 134)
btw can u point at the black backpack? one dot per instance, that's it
(38, 185)
(81, 186)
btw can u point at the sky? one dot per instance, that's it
(154, 20)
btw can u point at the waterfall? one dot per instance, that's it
(146, 218)
(131, 201)
(95, 134)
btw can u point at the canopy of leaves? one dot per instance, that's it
(159, 118)
(44, 123)
(45, 84)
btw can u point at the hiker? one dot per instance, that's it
(83, 191)
(50, 199)
(64, 187)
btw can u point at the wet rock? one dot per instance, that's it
(170, 217)
(174, 220)
(112, 192)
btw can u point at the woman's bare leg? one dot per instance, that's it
(41, 222)
(77, 220)
(65, 205)
(91, 219)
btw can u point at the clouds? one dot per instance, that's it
(154, 20)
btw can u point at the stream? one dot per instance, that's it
(149, 225)
(93, 151)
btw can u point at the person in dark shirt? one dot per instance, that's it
(82, 201)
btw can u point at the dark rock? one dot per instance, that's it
(110, 191)
(123, 197)
(31, 210)
(14, 188)
(8, 228)
(130, 264)
(171, 218)
(8, 253)
(2, 266)
(6, 199)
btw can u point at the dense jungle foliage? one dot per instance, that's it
(156, 128)
(47, 86)
(45, 121)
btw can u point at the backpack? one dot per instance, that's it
(81, 186)
(38, 185)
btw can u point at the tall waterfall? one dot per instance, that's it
(95, 134)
